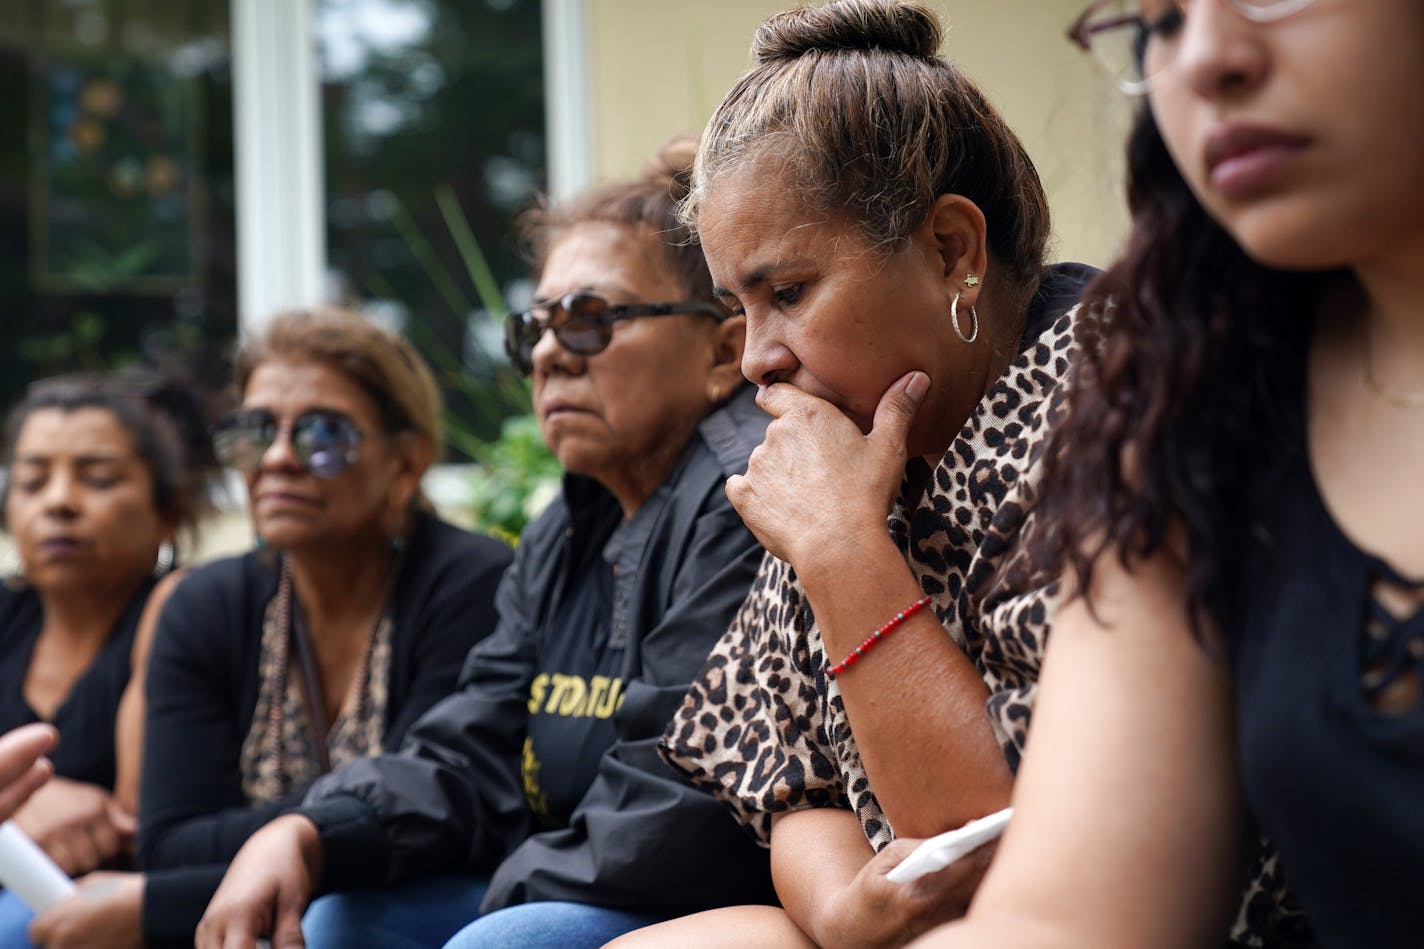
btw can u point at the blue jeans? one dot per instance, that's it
(15, 919)
(421, 914)
(549, 926)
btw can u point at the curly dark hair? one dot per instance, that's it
(1189, 386)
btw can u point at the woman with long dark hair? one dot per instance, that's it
(1234, 497)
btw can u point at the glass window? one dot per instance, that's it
(116, 187)
(434, 141)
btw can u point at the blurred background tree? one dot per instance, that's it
(433, 138)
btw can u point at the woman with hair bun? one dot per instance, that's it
(884, 232)
(533, 801)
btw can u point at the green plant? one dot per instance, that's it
(515, 475)
(516, 478)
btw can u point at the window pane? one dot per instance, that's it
(434, 123)
(116, 190)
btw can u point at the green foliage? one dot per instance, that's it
(516, 478)
(515, 474)
(79, 346)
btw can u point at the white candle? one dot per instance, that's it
(29, 872)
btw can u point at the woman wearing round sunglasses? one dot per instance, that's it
(539, 780)
(324, 645)
(1239, 501)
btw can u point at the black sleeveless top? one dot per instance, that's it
(85, 718)
(1336, 783)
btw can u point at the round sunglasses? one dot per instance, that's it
(324, 441)
(582, 322)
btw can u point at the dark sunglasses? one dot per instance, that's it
(583, 323)
(323, 440)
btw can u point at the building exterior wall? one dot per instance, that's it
(657, 67)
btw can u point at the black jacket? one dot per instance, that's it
(640, 837)
(202, 690)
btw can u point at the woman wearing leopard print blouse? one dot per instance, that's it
(884, 233)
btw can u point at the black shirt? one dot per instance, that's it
(1336, 784)
(573, 697)
(202, 690)
(85, 718)
(628, 831)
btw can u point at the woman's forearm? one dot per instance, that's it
(915, 702)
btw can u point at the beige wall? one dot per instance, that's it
(660, 66)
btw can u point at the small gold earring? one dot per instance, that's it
(716, 393)
(970, 280)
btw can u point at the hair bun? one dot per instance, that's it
(673, 164)
(895, 26)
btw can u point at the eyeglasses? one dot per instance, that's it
(583, 323)
(1126, 37)
(323, 440)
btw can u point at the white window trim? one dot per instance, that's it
(568, 111)
(277, 135)
(281, 224)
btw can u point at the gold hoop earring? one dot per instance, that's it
(973, 320)
(164, 561)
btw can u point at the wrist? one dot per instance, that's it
(854, 560)
(857, 596)
(299, 832)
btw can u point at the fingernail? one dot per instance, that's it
(918, 385)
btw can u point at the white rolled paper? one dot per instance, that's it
(939, 852)
(28, 871)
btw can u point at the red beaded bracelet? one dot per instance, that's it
(876, 636)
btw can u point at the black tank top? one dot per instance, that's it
(1337, 784)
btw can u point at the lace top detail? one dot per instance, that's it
(1392, 647)
(1326, 642)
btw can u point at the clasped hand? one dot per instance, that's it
(816, 483)
(81, 826)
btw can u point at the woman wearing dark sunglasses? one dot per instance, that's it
(1238, 496)
(324, 645)
(539, 780)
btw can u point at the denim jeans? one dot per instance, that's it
(445, 911)
(421, 914)
(15, 919)
(549, 926)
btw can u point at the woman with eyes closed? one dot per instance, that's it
(533, 801)
(322, 646)
(1242, 505)
(884, 233)
(99, 481)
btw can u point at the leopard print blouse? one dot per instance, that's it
(764, 729)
